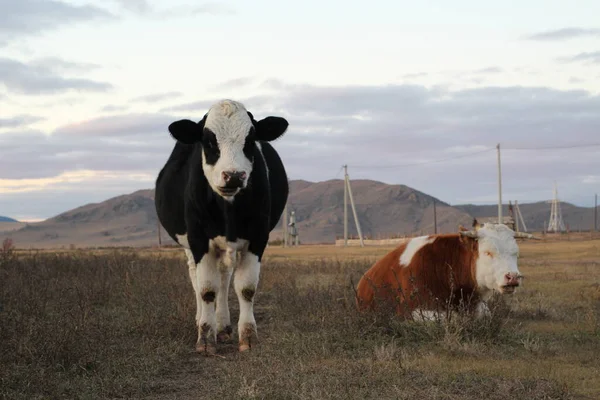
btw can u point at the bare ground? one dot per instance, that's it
(120, 324)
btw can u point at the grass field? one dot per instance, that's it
(120, 324)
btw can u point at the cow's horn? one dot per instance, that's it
(471, 234)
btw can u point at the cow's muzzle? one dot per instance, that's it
(234, 180)
(512, 280)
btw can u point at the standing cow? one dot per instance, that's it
(427, 273)
(221, 192)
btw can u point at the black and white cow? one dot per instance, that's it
(221, 192)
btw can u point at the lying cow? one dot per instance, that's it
(428, 273)
(221, 193)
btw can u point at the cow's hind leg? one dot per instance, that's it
(223, 318)
(209, 281)
(245, 284)
(192, 270)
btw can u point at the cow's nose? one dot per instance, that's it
(511, 279)
(234, 178)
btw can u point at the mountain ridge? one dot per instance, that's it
(383, 210)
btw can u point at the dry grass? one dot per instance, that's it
(119, 324)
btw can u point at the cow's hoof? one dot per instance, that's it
(248, 337)
(206, 340)
(206, 349)
(244, 347)
(224, 336)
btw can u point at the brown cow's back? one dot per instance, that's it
(437, 272)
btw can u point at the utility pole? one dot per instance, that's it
(520, 216)
(499, 186)
(159, 238)
(348, 193)
(345, 205)
(362, 244)
(511, 212)
(434, 218)
(285, 225)
(596, 212)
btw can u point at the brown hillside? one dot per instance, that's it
(127, 220)
(382, 209)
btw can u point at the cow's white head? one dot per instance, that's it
(496, 267)
(227, 135)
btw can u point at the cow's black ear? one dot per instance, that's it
(186, 131)
(271, 128)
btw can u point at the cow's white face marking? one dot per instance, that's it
(230, 124)
(412, 247)
(498, 254)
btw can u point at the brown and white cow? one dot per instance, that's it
(428, 273)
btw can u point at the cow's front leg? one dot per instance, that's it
(192, 271)
(223, 319)
(245, 283)
(209, 281)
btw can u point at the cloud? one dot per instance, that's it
(32, 17)
(157, 97)
(35, 79)
(57, 65)
(234, 83)
(114, 108)
(117, 126)
(415, 75)
(201, 107)
(138, 6)
(563, 34)
(591, 58)
(488, 70)
(213, 8)
(143, 7)
(19, 121)
(66, 180)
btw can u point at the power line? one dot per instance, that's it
(422, 162)
(573, 146)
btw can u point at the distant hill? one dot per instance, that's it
(7, 219)
(127, 220)
(383, 210)
(130, 220)
(537, 215)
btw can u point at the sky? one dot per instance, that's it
(403, 92)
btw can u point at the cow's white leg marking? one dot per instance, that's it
(223, 318)
(482, 310)
(192, 270)
(245, 284)
(412, 247)
(426, 315)
(209, 281)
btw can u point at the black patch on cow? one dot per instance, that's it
(186, 131)
(249, 144)
(209, 296)
(248, 294)
(211, 147)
